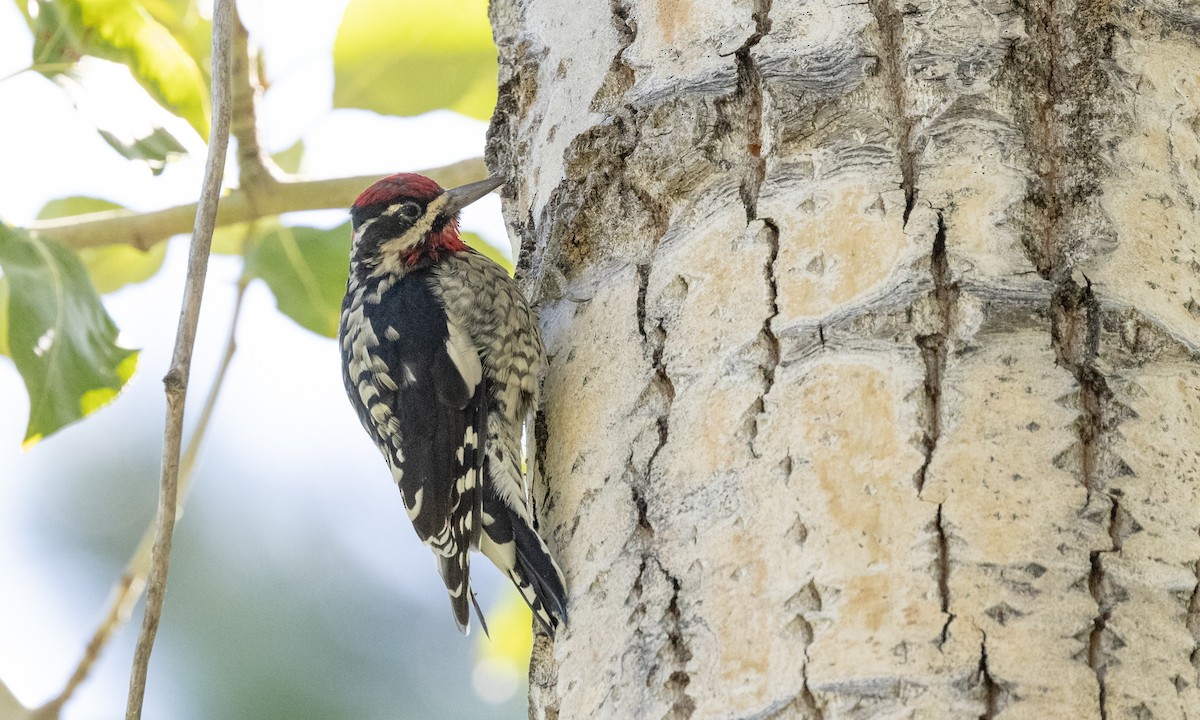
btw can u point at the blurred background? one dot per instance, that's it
(297, 586)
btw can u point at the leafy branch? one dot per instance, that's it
(264, 191)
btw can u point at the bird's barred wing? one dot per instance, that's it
(418, 389)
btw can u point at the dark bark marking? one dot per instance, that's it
(643, 278)
(1063, 102)
(943, 575)
(753, 165)
(993, 692)
(682, 705)
(934, 349)
(1193, 623)
(808, 701)
(1095, 651)
(766, 335)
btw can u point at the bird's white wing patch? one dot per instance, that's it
(462, 353)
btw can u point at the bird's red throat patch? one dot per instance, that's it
(438, 245)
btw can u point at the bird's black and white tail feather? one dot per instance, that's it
(515, 548)
(538, 578)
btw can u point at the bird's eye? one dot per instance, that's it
(410, 210)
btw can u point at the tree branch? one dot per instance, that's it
(257, 173)
(144, 230)
(177, 376)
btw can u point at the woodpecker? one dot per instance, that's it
(441, 357)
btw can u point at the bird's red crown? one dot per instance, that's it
(400, 185)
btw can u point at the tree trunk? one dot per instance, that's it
(874, 387)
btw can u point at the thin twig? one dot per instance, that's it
(128, 590)
(177, 376)
(144, 230)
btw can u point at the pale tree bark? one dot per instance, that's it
(874, 330)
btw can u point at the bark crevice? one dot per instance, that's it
(943, 575)
(682, 704)
(674, 653)
(654, 340)
(672, 656)
(1095, 648)
(934, 348)
(993, 692)
(750, 94)
(1193, 621)
(807, 599)
(766, 335)
(1075, 336)
(891, 27)
(808, 701)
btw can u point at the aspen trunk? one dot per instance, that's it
(874, 329)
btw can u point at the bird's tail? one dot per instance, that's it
(515, 548)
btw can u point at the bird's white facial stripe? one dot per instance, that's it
(390, 250)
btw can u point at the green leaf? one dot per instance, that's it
(407, 58)
(111, 267)
(59, 336)
(306, 270)
(188, 26)
(160, 41)
(4, 316)
(114, 266)
(153, 149)
(232, 239)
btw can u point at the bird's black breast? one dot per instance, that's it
(409, 394)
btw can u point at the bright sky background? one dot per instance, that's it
(287, 472)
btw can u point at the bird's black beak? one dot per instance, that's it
(463, 195)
